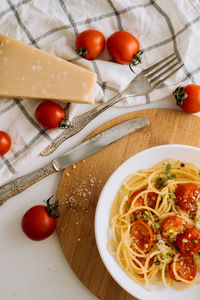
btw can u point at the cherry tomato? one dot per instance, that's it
(138, 202)
(185, 268)
(5, 142)
(50, 115)
(90, 44)
(151, 201)
(187, 196)
(124, 48)
(188, 242)
(142, 235)
(188, 98)
(39, 222)
(172, 226)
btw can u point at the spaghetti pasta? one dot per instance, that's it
(154, 210)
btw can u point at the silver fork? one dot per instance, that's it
(142, 84)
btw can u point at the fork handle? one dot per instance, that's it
(85, 118)
(80, 122)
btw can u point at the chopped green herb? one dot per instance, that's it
(197, 219)
(195, 241)
(173, 234)
(165, 255)
(161, 181)
(147, 214)
(127, 205)
(172, 176)
(156, 225)
(139, 216)
(167, 168)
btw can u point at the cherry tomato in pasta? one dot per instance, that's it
(188, 242)
(185, 268)
(142, 235)
(187, 196)
(172, 226)
(151, 201)
(139, 202)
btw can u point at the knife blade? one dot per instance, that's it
(83, 150)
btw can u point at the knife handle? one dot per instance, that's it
(20, 184)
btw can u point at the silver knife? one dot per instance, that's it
(70, 157)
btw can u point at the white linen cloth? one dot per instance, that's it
(161, 26)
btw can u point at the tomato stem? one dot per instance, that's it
(81, 51)
(180, 95)
(52, 209)
(137, 59)
(64, 123)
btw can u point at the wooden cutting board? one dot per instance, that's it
(81, 184)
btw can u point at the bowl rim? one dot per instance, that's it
(96, 220)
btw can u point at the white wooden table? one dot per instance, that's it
(38, 270)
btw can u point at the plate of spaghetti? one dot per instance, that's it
(147, 223)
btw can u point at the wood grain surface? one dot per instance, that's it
(81, 185)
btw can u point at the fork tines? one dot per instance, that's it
(163, 69)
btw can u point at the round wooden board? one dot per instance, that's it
(81, 185)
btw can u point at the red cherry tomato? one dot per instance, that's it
(188, 98)
(90, 44)
(5, 142)
(151, 201)
(187, 196)
(124, 48)
(185, 268)
(49, 114)
(39, 222)
(172, 226)
(188, 242)
(142, 235)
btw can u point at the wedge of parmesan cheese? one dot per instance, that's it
(27, 72)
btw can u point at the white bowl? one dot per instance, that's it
(103, 234)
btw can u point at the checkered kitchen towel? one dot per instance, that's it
(161, 26)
